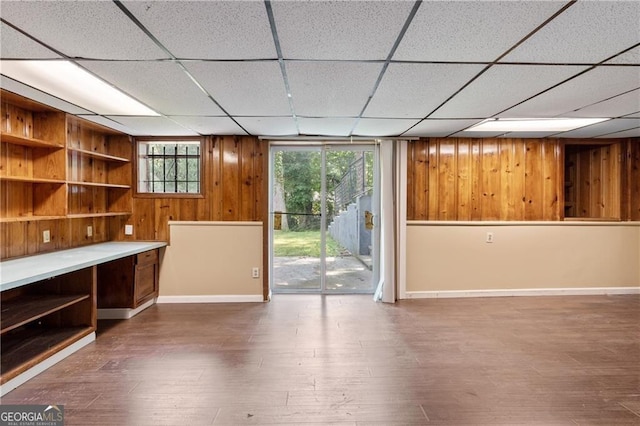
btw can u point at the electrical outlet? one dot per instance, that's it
(128, 230)
(46, 236)
(255, 273)
(89, 231)
(489, 237)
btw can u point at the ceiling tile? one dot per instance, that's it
(415, 90)
(331, 88)
(438, 127)
(208, 29)
(163, 86)
(42, 97)
(618, 106)
(325, 126)
(594, 86)
(153, 126)
(339, 29)
(244, 88)
(631, 133)
(16, 45)
(269, 126)
(87, 29)
(501, 87)
(382, 126)
(633, 115)
(104, 121)
(632, 57)
(470, 30)
(209, 125)
(587, 32)
(603, 128)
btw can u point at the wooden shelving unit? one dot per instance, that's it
(32, 160)
(99, 178)
(40, 319)
(55, 166)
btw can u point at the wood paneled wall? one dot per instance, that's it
(631, 185)
(25, 238)
(484, 179)
(522, 179)
(593, 180)
(235, 174)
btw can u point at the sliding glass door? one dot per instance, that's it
(322, 219)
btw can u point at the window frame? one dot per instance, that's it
(177, 139)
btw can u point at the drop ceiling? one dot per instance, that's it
(341, 68)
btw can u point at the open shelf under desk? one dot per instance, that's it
(26, 347)
(16, 313)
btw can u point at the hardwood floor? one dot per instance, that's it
(349, 361)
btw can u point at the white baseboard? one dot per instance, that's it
(226, 298)
(123, 313)
(47, 363)
(522, 292)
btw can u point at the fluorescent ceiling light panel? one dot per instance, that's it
(68, 81)
(532, 124)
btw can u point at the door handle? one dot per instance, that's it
(368, 220)
(277, 221)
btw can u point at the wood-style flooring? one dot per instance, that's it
(346, 360)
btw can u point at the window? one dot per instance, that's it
(168, 167)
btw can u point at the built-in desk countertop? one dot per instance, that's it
(26, 270)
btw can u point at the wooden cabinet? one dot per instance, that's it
(32, 161)
(42, 318)
(128, 282)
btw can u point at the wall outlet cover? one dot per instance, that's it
(128, 230)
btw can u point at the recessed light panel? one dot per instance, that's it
(68, 81)
(532, 124)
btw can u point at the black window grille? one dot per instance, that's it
(169, 167)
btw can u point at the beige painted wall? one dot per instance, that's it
(212, 259)
(523, 256)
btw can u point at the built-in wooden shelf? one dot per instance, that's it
(86, 215)
(29, 218)
(16, 313)
(99, 155)
(27, 141)
(99, 184)
(29, 179)
(26, 347)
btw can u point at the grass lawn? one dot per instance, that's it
(303, 243)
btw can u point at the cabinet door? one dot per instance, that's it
(146, 282)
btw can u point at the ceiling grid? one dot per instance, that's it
(341, 68)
